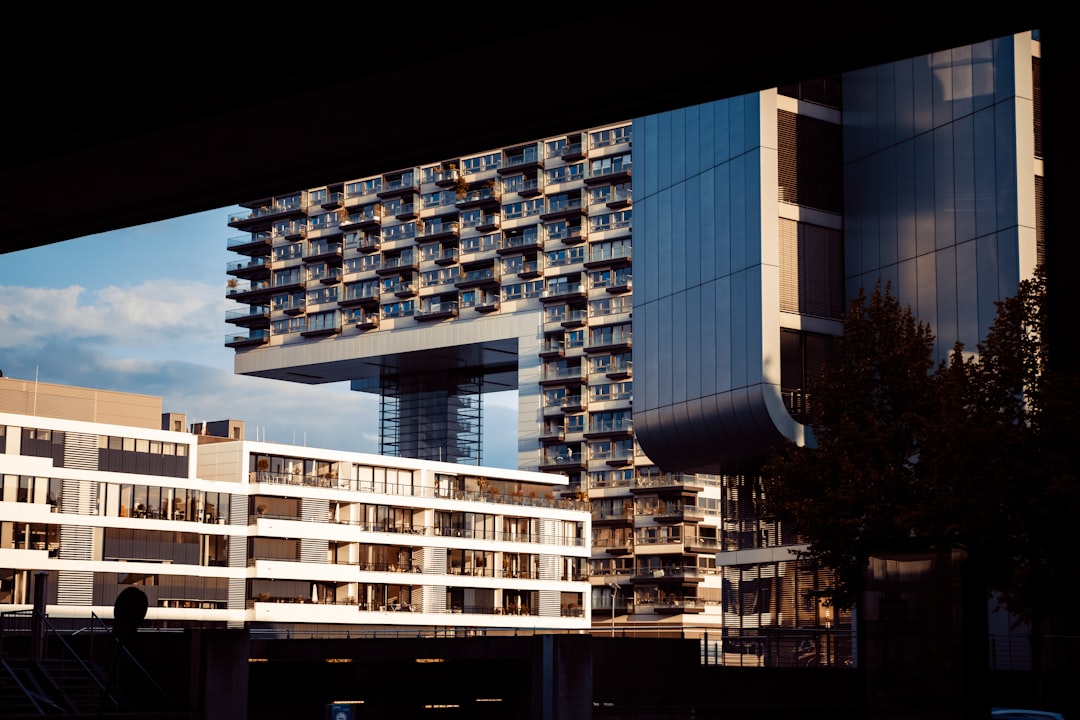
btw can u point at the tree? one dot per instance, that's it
(856, 490)
(979, 452)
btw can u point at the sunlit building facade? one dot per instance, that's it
(748, 222)
(226, 532)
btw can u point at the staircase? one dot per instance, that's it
(46, 677)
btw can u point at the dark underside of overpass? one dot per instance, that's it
(111, 125)
(113, 122)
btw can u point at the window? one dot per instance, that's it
(471, 218)
(612, 136)
(609, 165)
(324, 321)
(399, 309)
(436, 199)
(619, 277)
(514, 183)
(481, 163)
(566, 173)
(534, 207)
(322, 295)
(288, 252)
(566, 256)
(619, 220)
(514, 210)
(288, 276)
(405, 231)
(609, 334)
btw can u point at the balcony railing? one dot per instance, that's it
(251, 336)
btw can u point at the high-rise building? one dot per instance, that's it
(749, 222)
(218, 531)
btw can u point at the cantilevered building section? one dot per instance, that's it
(750, 233)
(749, 222)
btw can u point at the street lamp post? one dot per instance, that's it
(614, 596)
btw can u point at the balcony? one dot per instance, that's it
(367, 218)
(680, 483)
(573, 403)
(601, 256)
(249, 317)
(406, 211)
(562, 461)
(252, 267)
(570, 152)
(572, 235)
(250, 339)
(615, 458)
(352, 298)
(323, 250)
(369, 243)
(531, 269)
(439, 231)
(531, 187)
(621, 428)
(518, 243)
(401, 289)
(676, 512)
(668, 574)
(267, 212)
(703, 546)
(447, 256)
(575, 319)
(615, 173)
(478, 277)
(679, 606)
(437, 311)
(249, 292)
(402, 263)
(368, 321)
(332, 201)
(294, 306)
(610, 341)
(552, 433)
(257, 243)
(485, 197)
(563, 210)
(620, 199)
(552, 348)
(397, 186)
(563, 376)
(619, 371)
(519, 160)
(321, 331)
(564, 292)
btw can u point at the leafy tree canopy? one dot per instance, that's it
(976, 451)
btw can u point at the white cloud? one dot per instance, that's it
(149, 312)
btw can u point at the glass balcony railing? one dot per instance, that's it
(249, 336)
(247, 264)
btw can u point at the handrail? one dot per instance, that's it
(89, 671)
(134, 661)
(29, 693)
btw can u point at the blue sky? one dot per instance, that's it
(142, 310)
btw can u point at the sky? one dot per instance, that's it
(142, 310)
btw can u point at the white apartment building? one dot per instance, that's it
(225, 532)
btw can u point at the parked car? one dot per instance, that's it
(1020, 714)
